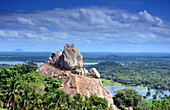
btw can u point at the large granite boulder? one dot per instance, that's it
(67, 59)
(94, 73)
(70, 58)
(74, 83)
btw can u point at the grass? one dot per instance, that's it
(106, 82)
(149, 102)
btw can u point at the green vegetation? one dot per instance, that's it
(126, 98)
(77, 67)
(22, 88)
(130, 97)
(149, 102)
(158, 104)
(24, 56)
(106, 82)
(156, 77)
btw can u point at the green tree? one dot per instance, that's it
(9, 94)
(102, 103)
(163, 104)
(127, 97)
(148, 93)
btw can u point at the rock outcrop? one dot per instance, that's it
(56, 58)
(68, 67)
(71, 57)
(94, 73)
(74, 83)
(67, 59)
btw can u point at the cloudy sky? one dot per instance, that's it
(92, 25)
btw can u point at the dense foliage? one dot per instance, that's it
(22, 88)
(157, 77)
(130, 97)
(161, 104)
(157, 104)
(126, 98)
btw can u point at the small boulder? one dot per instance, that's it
(55, 58)
(94, 73)
(128, 108)
(85, 71)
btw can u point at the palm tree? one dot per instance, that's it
(11, 95)
(25, 101)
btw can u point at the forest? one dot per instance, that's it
(156, 77)
(147, 69)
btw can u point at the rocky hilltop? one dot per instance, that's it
(68, 67)
(67, 59)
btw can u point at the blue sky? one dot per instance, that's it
(92, 25)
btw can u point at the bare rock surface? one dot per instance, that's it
(74, 83)
(129, 108)
(70, 58)
(56, 58)
(94, 73)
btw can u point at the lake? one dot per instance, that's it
(38, 63)
(141, 90)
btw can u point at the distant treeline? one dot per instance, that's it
(2, 65)
(24, 56)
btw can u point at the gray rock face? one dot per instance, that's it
(67, 59)
(70, 57)
(94, 73)
(56, 56)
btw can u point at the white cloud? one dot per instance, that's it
(25, 21)
(2, 33)
(146, 16)
(9, 33)
(149, 18)
(43, 29)
(85, 25)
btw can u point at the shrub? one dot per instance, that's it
(77, 67)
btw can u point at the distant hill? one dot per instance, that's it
(18, 50)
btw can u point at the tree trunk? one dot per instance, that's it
(13, 106)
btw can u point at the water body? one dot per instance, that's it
(38, 63)
(89, 63)
(18, 62)
(141, 90)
